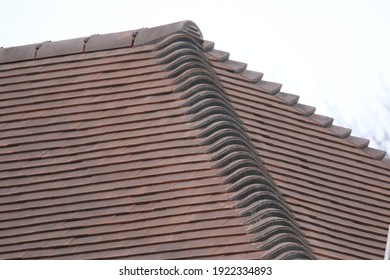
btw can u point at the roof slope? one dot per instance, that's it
(337, 187)
(150, 144)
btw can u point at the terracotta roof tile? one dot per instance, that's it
(290, 99)
(151, 144)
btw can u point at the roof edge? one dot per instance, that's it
(292, 100)
(133, 38)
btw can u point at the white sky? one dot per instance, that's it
(334, 54)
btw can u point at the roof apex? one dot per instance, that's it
(155, 34)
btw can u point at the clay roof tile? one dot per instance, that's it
(122, 145)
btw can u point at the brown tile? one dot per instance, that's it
(41, 253)
(12, 255)
(83, 240)
(58, 242)
(100, 157)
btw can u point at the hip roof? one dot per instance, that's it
(151, 144)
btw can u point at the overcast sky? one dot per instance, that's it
(334, 54)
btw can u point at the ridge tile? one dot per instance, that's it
(59, 48)
(21, 53)
(109, 41)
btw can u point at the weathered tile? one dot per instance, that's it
(103, 156)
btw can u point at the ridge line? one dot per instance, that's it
(231, 150)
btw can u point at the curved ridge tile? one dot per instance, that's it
(287, 251)
(210, 117)
(206, 113)
(201, 73)
(177, 42)
(237, 153)
(226, 127)
(263, 205)
(265, 213)
(181, 56)
(248, 190)
(271, 228)
(258, 195)
(229, 146)
(156, 34)
(187, 64)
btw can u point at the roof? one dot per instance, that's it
(151, 144)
